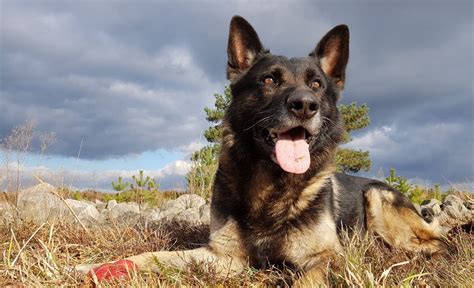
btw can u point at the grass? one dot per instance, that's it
(42, 255)
(370, 263)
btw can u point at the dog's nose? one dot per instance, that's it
(303, 105)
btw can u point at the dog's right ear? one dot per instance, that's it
(243, 47)
(333, 53)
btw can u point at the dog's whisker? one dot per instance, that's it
(261, 121)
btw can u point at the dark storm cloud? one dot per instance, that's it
(81, 80)
(134, 76)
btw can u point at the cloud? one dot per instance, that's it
(117, 117)
(428, 151)
(179, 167)
(188, 149)
(170, 177)
(128, 78)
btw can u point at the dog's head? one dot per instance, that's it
(285, 108)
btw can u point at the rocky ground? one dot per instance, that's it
(41, 203)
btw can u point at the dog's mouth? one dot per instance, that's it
(271, 136)
(290, 148)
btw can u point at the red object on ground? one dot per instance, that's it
(121, 269)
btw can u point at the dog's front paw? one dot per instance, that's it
(121, 269)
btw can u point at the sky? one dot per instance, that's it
(123, 84)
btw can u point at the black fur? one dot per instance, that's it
(276, 95)
(257, 107)
(270, 206)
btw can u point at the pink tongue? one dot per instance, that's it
(292, 152)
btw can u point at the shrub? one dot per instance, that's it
(399, 182)
(120, 186)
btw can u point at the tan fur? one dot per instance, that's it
(301, 247)
(401, 226)
(309, 193)
(262, 187)
(335, 195)
(316, 275)
(260, 191)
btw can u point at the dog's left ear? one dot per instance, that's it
(243, 47)
(333, 53)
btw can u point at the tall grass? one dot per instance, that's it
(42, 255)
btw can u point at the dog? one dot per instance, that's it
(277, 198)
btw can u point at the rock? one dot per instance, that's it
(185, 208)
(454, 207)
(100, 205)
(7, 212)
(111, 204)
(469, 204)
(189, 215)
(154, 215)
(144, 206)
(146, 213)
(453, 212)
(453, 200)
(127, 212)
(430, 208)
(39, 205)
(86, 212)
(205, 214)
(184, 202)
(431, 203)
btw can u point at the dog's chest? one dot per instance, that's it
(269, 249)
(294, 247)
(289, 233)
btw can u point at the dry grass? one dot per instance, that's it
(35, 255)
(370, 263)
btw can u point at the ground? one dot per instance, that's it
(42, 255)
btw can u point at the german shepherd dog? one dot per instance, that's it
(277, 198)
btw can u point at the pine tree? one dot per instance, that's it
(200, 178)
(354, 118)
(120, 185)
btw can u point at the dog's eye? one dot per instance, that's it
(268, 80)
(315, 84)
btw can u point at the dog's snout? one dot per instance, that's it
(303, 105)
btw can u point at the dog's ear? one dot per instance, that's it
(243, 47)
(333, 53)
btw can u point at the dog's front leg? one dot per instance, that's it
(315, 275)
(224, 264)
(224, 253)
